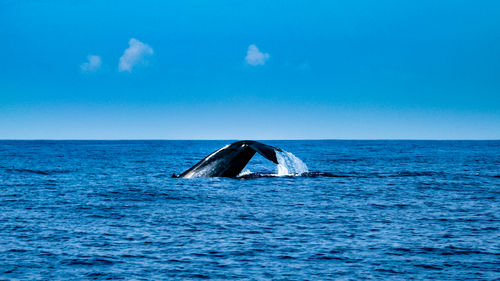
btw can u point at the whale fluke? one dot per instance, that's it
(230, 160)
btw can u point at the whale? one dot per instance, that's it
(230, 160)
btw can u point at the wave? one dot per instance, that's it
(250, 175)
(39, 172)
(412, 174)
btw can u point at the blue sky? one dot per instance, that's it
(249, 69)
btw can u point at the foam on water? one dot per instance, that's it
(245, 172)
(289, 164)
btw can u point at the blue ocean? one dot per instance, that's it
(379, 210)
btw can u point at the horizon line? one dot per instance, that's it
(236, 139)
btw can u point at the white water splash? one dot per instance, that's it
(289, 164)
(245, 173)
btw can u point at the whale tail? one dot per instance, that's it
(269, 152)
(230, 160)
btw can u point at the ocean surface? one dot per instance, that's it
(402, 210)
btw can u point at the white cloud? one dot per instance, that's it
(134, 54)
(93, 63)
(255, 57)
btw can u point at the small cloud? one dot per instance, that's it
(92, 64)
(134, 54)
(255, 57)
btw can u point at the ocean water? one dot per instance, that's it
(402, 210)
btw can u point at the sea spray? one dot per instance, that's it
(289, 164)
(246, 172)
